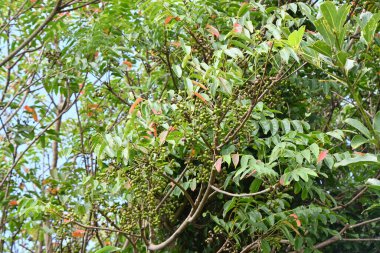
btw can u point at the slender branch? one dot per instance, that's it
(33, 35)
(182, 189)
(342, 231)
(243, 195)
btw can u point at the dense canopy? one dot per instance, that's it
(189, 126)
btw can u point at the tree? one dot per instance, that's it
(189, 126)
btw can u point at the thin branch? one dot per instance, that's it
(182, 189)
(33, 35)
(243, 195)
(344, 229)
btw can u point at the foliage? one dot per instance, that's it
(136, 125)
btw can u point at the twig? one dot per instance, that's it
(33, 35)
(243, 195)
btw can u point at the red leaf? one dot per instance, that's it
(238, 28)
(322, 155)
(235, 159)
(128, 63)
(138, 100)
(78, 233)
(213, 30)
(218, 165)
(168, 19)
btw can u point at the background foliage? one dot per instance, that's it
(189, 126)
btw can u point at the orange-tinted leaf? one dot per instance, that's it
(32, 111)
(53, 191)
(153, 127)
(175, 43)
(128, 63)
(171, 129)
(218, 165)
(138, 100)
(213, 30)
(199, 85)
(238, 28)
(13, 203)
(78, 233)
(200, 97)
(28, 109)
(168, 19)
(235, 159)
(322, 155)
(359, 153)
(66, 220)
(296, 219)
(107, 243)
(177, 19)
(192, 152)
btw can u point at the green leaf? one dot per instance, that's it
(189, 87)
(367, 158)
(370, 28)
(322, 48)
(107, 249)
(359, 126)
(295, 38)
(314, 148)
(234, 52)
(376, 122)
(177, 70)
(329, 12)
(265, 247)
(357, 141)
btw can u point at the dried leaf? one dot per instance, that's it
(199, 85)
(218, 165)
(235, 159)
(163, 136)
(201, 97)
(213, 30)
